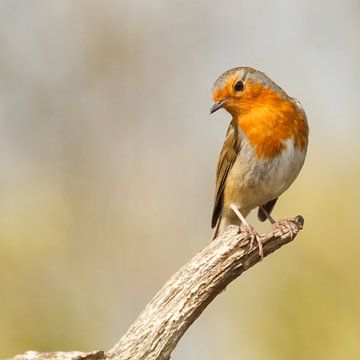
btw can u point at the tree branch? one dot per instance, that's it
(156, 332)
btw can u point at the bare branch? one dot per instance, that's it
(156, 332)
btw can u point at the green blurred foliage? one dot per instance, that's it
(108, 155)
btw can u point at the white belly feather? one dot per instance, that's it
(261, 180)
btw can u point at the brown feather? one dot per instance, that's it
(229, 152)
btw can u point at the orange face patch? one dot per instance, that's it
(226, 91)
(266, 118)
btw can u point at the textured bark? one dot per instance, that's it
(155, 333)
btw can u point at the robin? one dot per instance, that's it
(263, 152)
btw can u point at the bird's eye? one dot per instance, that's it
(239, 86)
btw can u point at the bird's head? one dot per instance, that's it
(240, 89)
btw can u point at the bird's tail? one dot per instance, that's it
(221, 225)
(225, 220)
(216, 232)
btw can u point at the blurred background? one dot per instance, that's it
(108, 156)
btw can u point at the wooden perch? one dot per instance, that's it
(155, 333)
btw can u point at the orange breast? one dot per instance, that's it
(268, 121)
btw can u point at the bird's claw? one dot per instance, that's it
(283, 223)
(255, 236)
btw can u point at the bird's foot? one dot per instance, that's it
(254, 236)
(250, 230)
(278, 225)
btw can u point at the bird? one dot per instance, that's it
(263, 152)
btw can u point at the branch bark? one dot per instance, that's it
(157, 330)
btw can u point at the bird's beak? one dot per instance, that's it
(218, 105)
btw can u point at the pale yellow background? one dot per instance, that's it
(108, 154)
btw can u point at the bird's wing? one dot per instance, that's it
(227, 158)
(268, 207)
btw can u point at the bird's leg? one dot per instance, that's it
(278, 224)
(251, 231)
